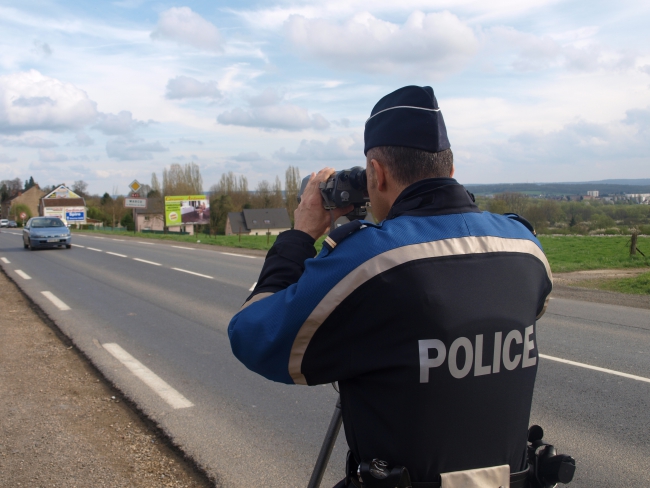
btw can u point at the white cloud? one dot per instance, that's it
(126, 148)
(186, 87)
(7, 159)
(437, 43)
(122, 123)
(185, 140)
(32, 101)
(29, 141)
(268, 96)
(81, 139)
(334, 149)
(248, 157)
(185, 26)
(286, 117)
(49, 156)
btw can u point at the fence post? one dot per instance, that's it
(633, 241)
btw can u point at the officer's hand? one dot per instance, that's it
(310, 216)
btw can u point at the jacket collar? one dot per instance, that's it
(433, 196)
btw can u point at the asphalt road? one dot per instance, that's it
(168, 306)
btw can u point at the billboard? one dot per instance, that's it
(75, 215)
(187, 209)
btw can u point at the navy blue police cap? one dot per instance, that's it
(408, 117)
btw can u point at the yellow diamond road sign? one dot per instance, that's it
(135, 186)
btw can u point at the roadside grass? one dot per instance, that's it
(565, 253)
(579, 253)
(639, 285)
(246, 242)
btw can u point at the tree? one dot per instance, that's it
(155, 187)
(220, 205)
(277, 200)
(106, 199)
(127, 221)
(182, 180)
(80, 187)
(262, 197)
(29, 183)
(291, 188)
(13, 187)
(514, 202)
(18, 208)
(234, 186)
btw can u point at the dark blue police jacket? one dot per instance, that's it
(427, 321)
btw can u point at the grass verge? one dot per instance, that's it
(639, 285)
(579, 253)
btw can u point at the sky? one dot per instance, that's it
(109, 92)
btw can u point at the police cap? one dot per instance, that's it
(408, 117)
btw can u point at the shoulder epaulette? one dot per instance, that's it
(340, 233)
(523, 221)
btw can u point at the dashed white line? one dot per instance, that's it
(183, 247)
(239, 255)
(93, 249)
(145, 261)
(5, 260)
(55, 300)
(23, 275)
(148, 377)
(193, 273)
(149, 243)
(596, 368)
(118, 240)
(79, 245)
(116, 254)
(252, 287)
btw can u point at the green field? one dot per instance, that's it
(565, 253)
(639, 285)
(577, 253)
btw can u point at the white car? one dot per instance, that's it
(4, 223)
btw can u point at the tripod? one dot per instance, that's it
(327, 447)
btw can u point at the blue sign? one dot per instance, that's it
(72, 216)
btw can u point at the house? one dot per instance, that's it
(30, 198)
(258, 221)
(65, 204)
(152, 217)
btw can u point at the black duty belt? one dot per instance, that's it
(517, 480)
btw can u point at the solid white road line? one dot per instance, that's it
(5, 260)
(193, 273)
(148, 377)
(118, 240)
(252, 287)
(238, 255)
(93, 249)
(142, 242)
(116, 254)
(148, 262)
(182, 247)
(56, 301)
(23, 275)
(596, 368)
(79, 245)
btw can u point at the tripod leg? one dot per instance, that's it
(328, 446)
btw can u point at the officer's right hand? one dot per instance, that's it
(310, 216)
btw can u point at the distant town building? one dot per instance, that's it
(65, 204)
(30, 198)
(638, 197)
(593, 193)
(258, 221)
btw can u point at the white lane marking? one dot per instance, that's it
(252, 287)
(238, 255)
(149, 243)
(596, 368)
(56, 301)
(117, 254)
(79, 245)
(93, 249)
(96, 237)
(5, 260)
(118, 240)
(183, 247)
(23, 275)
(148, 262)
(148, 377)
(193, 273)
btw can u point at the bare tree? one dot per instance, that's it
(80, 187)
(263, 195)
(182, 180)
(236, 187)
(514, 202)
(291, 187)
(155, 186)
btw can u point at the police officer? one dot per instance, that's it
(426, 319)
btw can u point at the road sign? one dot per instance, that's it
(135, 202)
(135, 195)
(23, 215)
(135, 186)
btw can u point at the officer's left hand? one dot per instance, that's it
(310, 216)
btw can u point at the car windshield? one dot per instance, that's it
(47, 223)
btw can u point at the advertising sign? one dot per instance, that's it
(53, 212)
(75, 216)
(135, 202)
(187, 209)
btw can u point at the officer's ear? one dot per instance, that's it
(453, 170)
(380, 174)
